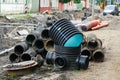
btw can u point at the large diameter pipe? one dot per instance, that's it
(98, 55)
(14, 58)
(38, 45)
(21, 47)
(49, 45)
(86, 52)
(45, 34)
(31, 37)
(64, 33)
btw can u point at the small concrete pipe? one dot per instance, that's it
(38, 45)
(32, 36)
(98, 55)
(14, 58)
(86, 52)
(49, 45)
(21, 47)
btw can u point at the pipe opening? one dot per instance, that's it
(92, 44)
(30, 38)
(39, 44)
(26, 57)
(86, 53)
(45, 34)
(13, 58)
(98, 56)
(50, 45)
(19, 49)
(60, 62)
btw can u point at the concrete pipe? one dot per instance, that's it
(21, 47)
(86, 52)
(14, 58)
(49, 45)
(32, 37)
(98, 55)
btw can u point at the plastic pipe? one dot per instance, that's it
(60, 33)
(49, 45)
(38, 45)
(32, 37)
(50, 58)
(14, 58)
(45, 34)
(98, 55)
(82, 62)
(86, 52)
(21, 47)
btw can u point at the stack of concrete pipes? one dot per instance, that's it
(92, 47)
(34, 47)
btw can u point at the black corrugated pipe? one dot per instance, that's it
(49, 45)
(50, 58)
(64, 33)
(85, 51)
(67, 50)
(21, 47)
(28, 55)
(61, 62)
(45, 34)
(84, 42)
(66, 57)
(14, 58)
(98, 55)
(82, 62)
(32, 36)
(38, 45)
(93, 42)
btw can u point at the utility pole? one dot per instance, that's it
(93, 3)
